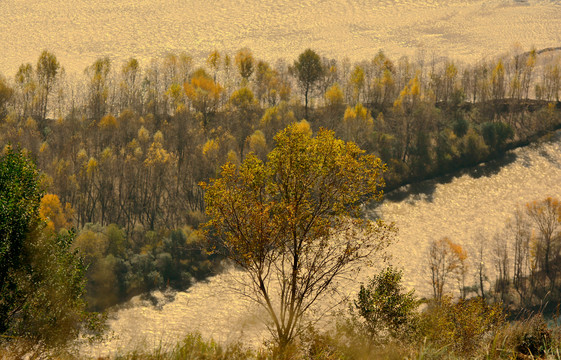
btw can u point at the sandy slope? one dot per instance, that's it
(80, 31)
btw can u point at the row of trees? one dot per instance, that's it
(120, 266)
(525, 256)
(129, 145)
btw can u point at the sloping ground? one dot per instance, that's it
(80, 31)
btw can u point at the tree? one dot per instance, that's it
(385, 307)
(308, 71)
(546, 216)
(204, 94)
(245, 63)
(41, 279)
(292, 222)
(27, 87)
(98, 74)
(445, 258)
(20, 197)
(47, 70)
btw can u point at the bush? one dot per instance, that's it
(462, 326)
(386, 310)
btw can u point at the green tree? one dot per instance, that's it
(42, 280)
(385, 308)
(292, 222)
(20, 197)
(308, 70)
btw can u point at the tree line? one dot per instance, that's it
(128, 145)
(525, 256)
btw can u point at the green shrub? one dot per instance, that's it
(386, 311)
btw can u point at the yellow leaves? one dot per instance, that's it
(210, 148)
(415, 86)
(258, 144)
(303, 127)
(549, 205)
(242, 98)
(498, 73)
(174, 92)
(303, 192)
(106, 154)
(531, 61)
(138, 152)
(359, 124)
(143, 134)
(245, 63)
(277, 118)
(157, 155)
(30, 124)
(81, 156)
(451, 71)
(446, 258)
(91, 244)
(108, 122)
(357, 76)
(92, 166)
(387, 78)
(334, 95)
(159, 137)
(56, 215)
(410, 94)
(213, 59)
(44, 147)
(232, 157)
(359, 112)
(349, 114)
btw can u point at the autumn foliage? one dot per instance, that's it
(292, 221)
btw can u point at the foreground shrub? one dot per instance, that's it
(462, 327)
(385, 310)
(529, 338)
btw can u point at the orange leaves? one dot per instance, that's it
(203, 92)
(202, 87)
(446, 259)
(56, 215)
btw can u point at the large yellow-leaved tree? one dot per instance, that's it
(293, 222)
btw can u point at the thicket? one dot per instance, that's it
(42, 279)
(126, 145)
